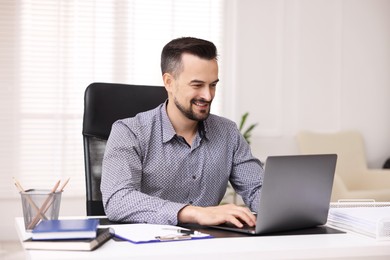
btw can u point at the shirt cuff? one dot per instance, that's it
(167, 215)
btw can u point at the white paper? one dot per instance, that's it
(371, 221)
(141, 233)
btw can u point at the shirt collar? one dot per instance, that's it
(169, 132)
(167, 128)
(202, 129)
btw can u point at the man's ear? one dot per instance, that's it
(168, 82)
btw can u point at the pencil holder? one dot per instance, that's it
(39, 204)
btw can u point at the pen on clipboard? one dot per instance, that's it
(186, 231)
(173, 237)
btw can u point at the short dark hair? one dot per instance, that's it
(171, 54)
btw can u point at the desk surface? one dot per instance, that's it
(327, 246)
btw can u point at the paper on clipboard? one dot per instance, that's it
(148, 233)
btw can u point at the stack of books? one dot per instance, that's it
(69, 234)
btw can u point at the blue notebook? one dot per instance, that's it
(65, 229)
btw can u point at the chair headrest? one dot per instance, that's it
(105, 103)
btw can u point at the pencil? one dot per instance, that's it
(63, 185)
(30, 201)
(44, 205)
(61, 190)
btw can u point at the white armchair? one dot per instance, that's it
(353, 180)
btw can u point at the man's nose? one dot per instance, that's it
(207, 93)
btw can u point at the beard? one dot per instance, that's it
(189, 112)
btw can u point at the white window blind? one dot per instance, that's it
(51, 50)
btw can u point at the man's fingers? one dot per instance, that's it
(239, 215)
(233, 220)
(234, 214)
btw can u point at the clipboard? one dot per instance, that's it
(152, 233)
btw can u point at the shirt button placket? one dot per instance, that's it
(193, 164)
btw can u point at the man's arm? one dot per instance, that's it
(247, 174)
(246, 177)
(123, 198)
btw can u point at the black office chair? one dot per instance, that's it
(104, 103)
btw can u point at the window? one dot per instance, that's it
(54, 49)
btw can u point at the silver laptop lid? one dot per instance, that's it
(296, 192)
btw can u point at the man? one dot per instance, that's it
(172, 164)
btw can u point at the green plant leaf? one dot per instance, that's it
(243, 119)
(250, 128)
(247, 133)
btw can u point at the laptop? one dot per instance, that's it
(295, 194)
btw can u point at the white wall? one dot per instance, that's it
(320, 65)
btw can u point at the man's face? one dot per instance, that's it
(194, 88)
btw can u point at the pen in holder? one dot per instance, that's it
(39, 204)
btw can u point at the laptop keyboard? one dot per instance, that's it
(245, 227)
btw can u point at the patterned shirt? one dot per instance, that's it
(150, 173)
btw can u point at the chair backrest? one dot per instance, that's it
(104, 103)
(348, 145)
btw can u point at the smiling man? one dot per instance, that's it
(172, 164)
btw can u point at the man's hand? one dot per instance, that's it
(234, 214)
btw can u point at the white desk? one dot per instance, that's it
(330, 246)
